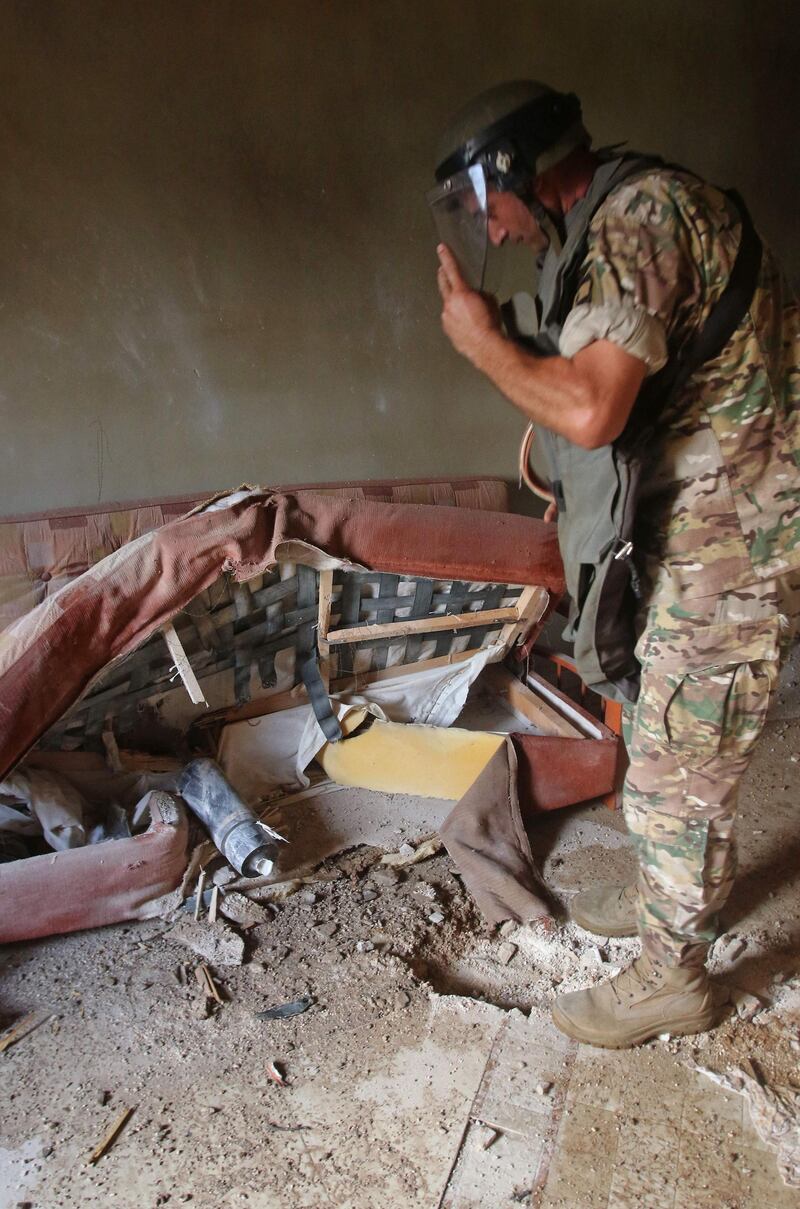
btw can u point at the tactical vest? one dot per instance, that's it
(596, 490)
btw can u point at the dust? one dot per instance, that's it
(377, 1076)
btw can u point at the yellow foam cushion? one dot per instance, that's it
(429, 761)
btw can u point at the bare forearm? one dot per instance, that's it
(551, 391)
(587, 398)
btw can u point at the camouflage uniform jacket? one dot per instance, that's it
(722, 506)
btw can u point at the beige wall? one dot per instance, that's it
(217, 265)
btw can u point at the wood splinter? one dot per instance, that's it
(21, 1029)
(111, 1136)
(198, 894)
(183, 667)
(204, 978)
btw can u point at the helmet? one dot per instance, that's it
(514, 131)
(500, 141)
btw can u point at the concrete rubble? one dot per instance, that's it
(216, 943)
(423, 1061)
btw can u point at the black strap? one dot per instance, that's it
(318, 696)
(306, 656)
(732, 304)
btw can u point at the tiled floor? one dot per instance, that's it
(614, 1130)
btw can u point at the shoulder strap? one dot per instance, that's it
(732, 304)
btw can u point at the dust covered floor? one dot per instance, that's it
(425, 1072)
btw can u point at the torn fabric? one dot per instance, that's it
(36, 802)
(53, 654)
(486, 838)
(41, 552)
(431, 697)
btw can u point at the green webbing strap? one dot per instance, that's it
(318, 696)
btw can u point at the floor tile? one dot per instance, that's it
(491, 1176)
(709, 1109)
(645, 1166)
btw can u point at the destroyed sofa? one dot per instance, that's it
(52, 655)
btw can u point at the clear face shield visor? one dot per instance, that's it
(459, 209)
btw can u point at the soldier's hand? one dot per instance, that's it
(468, 317)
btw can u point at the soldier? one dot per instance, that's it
(634, 256)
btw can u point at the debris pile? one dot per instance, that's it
(774, 1111)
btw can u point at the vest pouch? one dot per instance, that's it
(603, 630)
(577, 602)
(595, 532)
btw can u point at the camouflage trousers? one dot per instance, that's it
(709, 667)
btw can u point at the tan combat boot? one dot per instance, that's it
(606, 910)
(639, 1003)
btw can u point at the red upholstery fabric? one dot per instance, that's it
(50, 656)
(92, 886)
(41, 552)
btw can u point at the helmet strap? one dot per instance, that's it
(553, 229)
(552, 225)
